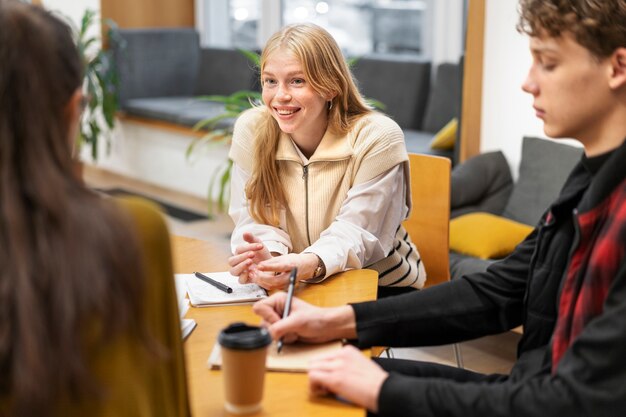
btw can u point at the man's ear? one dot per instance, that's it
(618, 69)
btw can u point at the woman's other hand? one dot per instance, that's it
(274, 273)
(246, 256)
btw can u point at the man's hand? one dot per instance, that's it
(348, 374)
(305, 322)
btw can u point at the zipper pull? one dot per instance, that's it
(305, 171)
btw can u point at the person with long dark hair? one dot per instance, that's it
(78, 323)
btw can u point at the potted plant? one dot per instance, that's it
(217, 133)
(100, 85)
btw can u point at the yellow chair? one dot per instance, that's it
(429, 222)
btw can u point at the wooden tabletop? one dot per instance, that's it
(285, 394)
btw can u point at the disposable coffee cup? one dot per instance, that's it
(244, 350)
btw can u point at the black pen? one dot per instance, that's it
(213, 282)
(292, 284)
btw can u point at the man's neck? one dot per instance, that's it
(607, 136)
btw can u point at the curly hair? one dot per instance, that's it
(598, 25)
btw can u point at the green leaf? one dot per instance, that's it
(376, 104)
(100, 83)
(212, 122)
(252, 56)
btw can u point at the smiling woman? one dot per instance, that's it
(314, 169)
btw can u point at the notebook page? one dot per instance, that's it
(203, 294)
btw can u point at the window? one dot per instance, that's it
(359, 26)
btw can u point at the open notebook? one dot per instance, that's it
(292, 358)
(186, 325)
(202, 294)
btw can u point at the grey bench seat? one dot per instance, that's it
(186, 111)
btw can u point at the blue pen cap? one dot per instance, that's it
(245, 337)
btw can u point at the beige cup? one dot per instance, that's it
(244, 350)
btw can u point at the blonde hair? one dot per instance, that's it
(325, 69)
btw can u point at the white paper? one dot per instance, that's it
(203, 294)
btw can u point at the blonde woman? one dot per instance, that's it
(320, 181)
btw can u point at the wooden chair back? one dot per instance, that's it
(429, 222)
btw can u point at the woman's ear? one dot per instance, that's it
(74, 108)
(330, 96)
(72, 112)
(618, 69)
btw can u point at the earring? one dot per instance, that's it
(330, 104)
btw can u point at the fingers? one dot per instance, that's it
(269, 280)
(350, 375)
(239, 268)
(250, 238)
(271, 309)
(247, 247)
(277, 264)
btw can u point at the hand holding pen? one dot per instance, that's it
(290, 290)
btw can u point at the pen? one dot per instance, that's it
(213, 282)
(292, 284)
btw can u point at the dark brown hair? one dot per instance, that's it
(70, 267)
(598, 25)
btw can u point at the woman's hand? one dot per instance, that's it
(274, 273)
(246, 256)
(348, 374)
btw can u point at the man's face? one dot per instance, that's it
(570, 88)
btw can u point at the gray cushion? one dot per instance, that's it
(419, 142)
(463, 265)
(181, 110)
(544, 167)
(156, 63)
(482, 183)
(444, 100)
(224, 71)
(401, 83)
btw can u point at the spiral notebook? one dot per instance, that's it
(202, 294)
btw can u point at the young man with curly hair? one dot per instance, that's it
(566, 283)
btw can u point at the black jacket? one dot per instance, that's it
(523, 289)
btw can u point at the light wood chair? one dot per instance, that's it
(428, 224)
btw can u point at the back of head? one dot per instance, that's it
(325, 69)
(598, 25)
(61, 264)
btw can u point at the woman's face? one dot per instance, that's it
(299, 110)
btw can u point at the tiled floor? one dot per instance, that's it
(494, 354)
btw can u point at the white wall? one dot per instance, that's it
(448, 28)
(157, 156)
(73, 9)
(507, 113)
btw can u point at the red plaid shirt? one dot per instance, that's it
(594, 264)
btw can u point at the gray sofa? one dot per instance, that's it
(163, 71)
(484, 183)
(419, 106)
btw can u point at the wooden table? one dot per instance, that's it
(286, 394)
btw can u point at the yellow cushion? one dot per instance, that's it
(485, 235)
(445, 138)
